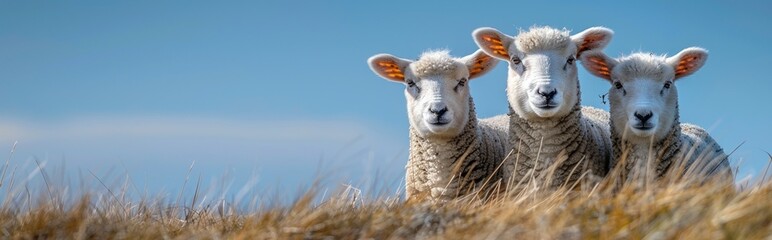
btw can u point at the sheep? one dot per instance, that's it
(555, 140)
(450, 153)
(648, 139)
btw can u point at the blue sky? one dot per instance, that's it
(277, 90)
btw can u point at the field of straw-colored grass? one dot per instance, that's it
(654, 210)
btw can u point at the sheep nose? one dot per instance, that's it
(548, 95)
(438, 109)
(643, 117)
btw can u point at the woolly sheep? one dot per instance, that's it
(554, 138)
(450, 153)
(645, 128)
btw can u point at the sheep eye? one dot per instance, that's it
(462, 82)
(618, 85)
(570, 60)
(667, 84)
(410, 83)
(516, 60)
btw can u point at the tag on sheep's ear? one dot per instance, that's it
(493, 42)
(597, 63)
(688, 61)
(389, 67)
(594, 38)
(479, 63)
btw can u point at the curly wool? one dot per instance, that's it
(567, 147)
(444, 169)
(644, 64)
(435, 62)
(540, 38)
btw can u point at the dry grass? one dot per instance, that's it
(656, 210)
(709, 211)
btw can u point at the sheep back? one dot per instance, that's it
(703, 155)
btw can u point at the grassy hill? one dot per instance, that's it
(655, 211)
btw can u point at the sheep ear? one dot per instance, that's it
(597, 63)
(594, 38)
(479, 63)
(688, 61)
(389, 67)
(493, 42)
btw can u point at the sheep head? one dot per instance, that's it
(542, 81)
(644, 100)
(436, 88)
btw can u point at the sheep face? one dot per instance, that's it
(643, 106)
(644, 99)
(436, 88)
(542, 80)
(542, 84)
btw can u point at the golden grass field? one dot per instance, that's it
(662, 210)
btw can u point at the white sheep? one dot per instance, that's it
(556, 141)
(648, 139)
(450, 154)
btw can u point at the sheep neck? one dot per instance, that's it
(433, 161)
(539, 144)
(657, 156)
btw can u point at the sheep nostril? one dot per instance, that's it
(552, 94)
(643, 117)
(438, 112)
(548, 95)
(442, 111)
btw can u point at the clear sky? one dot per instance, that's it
(279, 91)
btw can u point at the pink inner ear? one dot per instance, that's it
(590, 42)
(391, 69)
(495, 45)
(479, 65)
(599, 66)
(687, 64)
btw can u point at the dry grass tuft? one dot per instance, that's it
(683, 211)
(669, 208)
